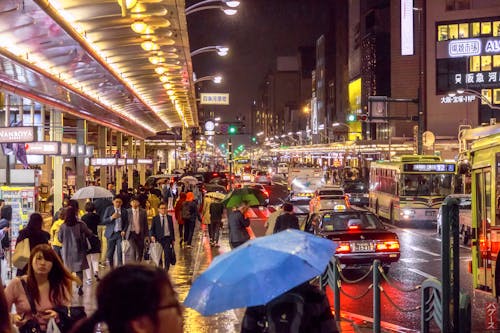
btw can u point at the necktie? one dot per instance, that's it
(162, 223)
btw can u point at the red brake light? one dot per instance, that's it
(388, 246)
(215, 174)
(354, 227)
(343, 248)
(266, 193)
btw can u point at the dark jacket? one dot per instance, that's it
(286, 221)
(216, 211)
(92, 220)
(317, 316)
(157, 231)
(36, 237)
(110, 222)
(237, 227)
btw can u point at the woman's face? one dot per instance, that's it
(40, 264)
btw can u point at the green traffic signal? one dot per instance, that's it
(232, 129)
(254, 139)
(351, 117)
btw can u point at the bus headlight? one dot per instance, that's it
(406, 213)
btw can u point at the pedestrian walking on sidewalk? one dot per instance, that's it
(33, 231)
(271, 220)
(216, 212)
(48, 284)
(135, 299)
(137, 229)
(162, 231)
(238, 224)
(189, 213)
(115, 219)
(178, 216)
(92, 220)
(73, 235)
(205, 216)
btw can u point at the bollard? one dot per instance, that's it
(336, 290)
(376, 296)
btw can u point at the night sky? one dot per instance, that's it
(261, 31)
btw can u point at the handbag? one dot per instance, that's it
(52, 326)
(32, 325)
(173, 258)
(21, 254)
(94, 244)
(69, 316)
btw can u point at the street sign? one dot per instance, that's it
(43, 148)
(17, 134)
(491, 316)
(214, 99)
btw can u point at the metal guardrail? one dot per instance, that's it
(431, 307)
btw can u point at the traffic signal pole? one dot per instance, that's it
(230, 159)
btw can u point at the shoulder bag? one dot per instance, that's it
(69, 316)
(32, 325)
(21, 254)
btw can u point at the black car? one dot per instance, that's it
(360, 235)
(357, 192)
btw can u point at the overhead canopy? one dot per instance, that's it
(84, 58)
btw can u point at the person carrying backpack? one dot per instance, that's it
(302, 309)
(189, 214)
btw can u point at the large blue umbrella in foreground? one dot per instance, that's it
(259, 271)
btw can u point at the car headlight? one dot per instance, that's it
(408, 212)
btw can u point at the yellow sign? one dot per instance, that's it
(355, 108)
(214, 99)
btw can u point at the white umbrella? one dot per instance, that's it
(92, 192)
(127, 251)
(189, 180)
(155, 252)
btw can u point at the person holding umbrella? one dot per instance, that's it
(238, 223)
(162, 231)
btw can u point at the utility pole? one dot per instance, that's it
(230, 160)
(421, 102)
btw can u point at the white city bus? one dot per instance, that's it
(410, 187)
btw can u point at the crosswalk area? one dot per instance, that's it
(262, 212)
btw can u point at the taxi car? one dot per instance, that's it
(327, 198)
(357, 192)
(360, 235)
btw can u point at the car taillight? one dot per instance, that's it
(354, 227)
(388, 246)
(343, 248)
(266, 193)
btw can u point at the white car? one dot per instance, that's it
(328, 198)
(465, 216)
(262, 177)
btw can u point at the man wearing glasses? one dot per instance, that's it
(162, 230)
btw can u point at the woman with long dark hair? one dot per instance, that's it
(73, 236)
(4, 313)
(48, 283)
(33, 231)
(135, 298)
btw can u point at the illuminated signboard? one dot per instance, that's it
(17, 134)
(214, 99)
(130, 161)
(407, 27)
(144, 161)
(120, 161)
(435, 167)
(110, 161)
(464, 48)
(43, 148)
(65, 150)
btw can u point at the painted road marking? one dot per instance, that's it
(393, 327)
(425, 251)
(424, 274)
(414, 260)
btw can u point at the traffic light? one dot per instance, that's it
(232, 129)
(254, 139)
(362, 117)
(351, 117)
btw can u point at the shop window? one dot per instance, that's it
(476, 29)
(475, 64)
(496, 96)
(463, 30)
(457, 4)
(453, 31)
(487, 96)
(442, 32)
(496, 61)
(496, 28)
(485, 28)
(486, 63)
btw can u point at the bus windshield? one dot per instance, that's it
(426, 185)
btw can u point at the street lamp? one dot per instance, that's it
(228, 8)
(221, 50)
(213, 78)
(483, 98)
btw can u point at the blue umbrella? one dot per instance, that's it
(259, 271)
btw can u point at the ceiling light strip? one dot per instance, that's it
(58, 14)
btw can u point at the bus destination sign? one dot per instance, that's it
(426, 167)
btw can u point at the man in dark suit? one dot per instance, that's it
(162, 230)
(137, 228)
(116, 221)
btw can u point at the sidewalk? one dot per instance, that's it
(192, 262)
